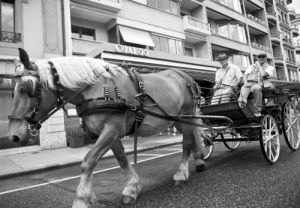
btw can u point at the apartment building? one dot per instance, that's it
(282, 32)
(296, 38)
(36, 26)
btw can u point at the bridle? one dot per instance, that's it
(35, 124)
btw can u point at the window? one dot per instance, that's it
(172, 46)
(188, 52)
(171, 6)
(7, 24)
(84, 33)
(233, 4)
(233, 31)
(165, 44)
(112, 35)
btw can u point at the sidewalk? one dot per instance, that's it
(18, 164)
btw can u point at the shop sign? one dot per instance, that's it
(131, 50)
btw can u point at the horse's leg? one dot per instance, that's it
(85, 197)
(183, 173)
(198, 148)
(133, 184)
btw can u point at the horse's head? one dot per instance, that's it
(31, 100)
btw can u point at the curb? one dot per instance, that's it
(57, 166)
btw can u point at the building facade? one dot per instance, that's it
(37, 26)
(150, 34)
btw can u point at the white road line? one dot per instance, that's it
(78, 176)
(145, 154)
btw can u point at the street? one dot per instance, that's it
(242, 178)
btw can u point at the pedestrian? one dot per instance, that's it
(256, 77)
(227, 80)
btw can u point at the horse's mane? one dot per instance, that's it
(77, 72)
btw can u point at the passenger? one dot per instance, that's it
(256, 77)
(228, 78)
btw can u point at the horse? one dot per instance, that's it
(44, 84)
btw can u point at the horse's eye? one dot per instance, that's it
(22, 90)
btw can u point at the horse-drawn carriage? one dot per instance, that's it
(280, 116)
(114, 101)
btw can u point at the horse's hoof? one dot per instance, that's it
(180, 176)
(179, 183)
(81, 204)
(128, 200)
(200, 168)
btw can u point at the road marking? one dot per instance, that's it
(78, 176)
(145, 154)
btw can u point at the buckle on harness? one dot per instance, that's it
(132, 107)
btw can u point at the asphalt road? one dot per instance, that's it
(242, 178)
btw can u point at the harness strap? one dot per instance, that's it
(59, 87)
(140, 88)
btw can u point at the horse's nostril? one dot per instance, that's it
(16, 139)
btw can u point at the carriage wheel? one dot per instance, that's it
(231, 145)
(208, 149)
(269, 139)
(291, 125)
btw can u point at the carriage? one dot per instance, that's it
(115, 101)
(280, 116)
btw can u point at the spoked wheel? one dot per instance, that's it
(208, 149)
(231, 145)
(269, 139)
(291, 125)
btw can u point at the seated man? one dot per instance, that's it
(228, 77)
(256, 77)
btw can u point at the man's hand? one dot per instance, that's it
(257, 64)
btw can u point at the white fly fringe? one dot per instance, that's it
(78, 72)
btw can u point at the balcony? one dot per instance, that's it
(275, 37)
(281, 5)
(108, 5)
(82, 46)
(292, 13)
(295, 30)
(284, 24)
(271, 15)
(257, 23)
(255, 19)
(278, 60)
(10, 37)
(195, 26)
(259, 3)
(260, 47)
(219, 40)
(215, 6)
(287, 42)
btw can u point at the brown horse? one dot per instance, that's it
(40, 84)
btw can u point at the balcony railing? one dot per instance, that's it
(197, 23)
(275, 35)
(271, 13)
(278, 58)
(10, 37)
(260, 47)
(287, 41)
(255, 19)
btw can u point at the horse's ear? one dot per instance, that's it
(24, 58)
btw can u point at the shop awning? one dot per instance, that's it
(135, 36)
